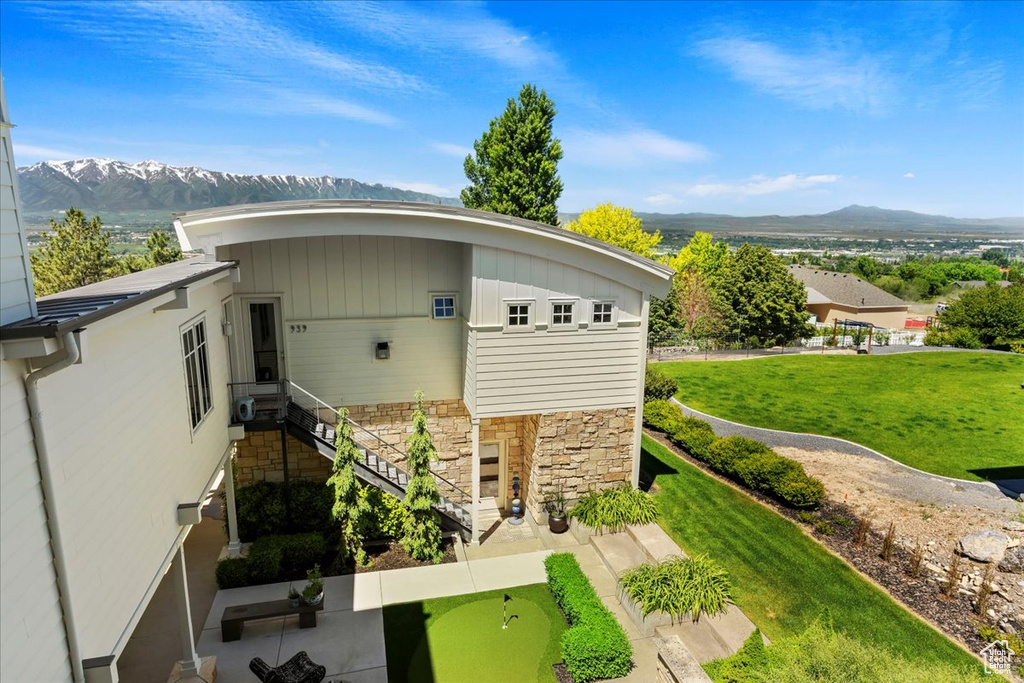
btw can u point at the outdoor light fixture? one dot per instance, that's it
(382, 350)
(225, 327)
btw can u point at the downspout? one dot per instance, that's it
(71, 356)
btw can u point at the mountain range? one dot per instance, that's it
(153, 188)
(110, 185)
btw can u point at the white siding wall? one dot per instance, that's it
(32, 644)
(120, 438)
(548, 370)
(16, 296)
(351, 292)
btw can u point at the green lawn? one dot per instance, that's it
(781, 578)
(460, 638)
(945, 413)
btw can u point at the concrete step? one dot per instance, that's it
(713, 637)
(618, 551)
(654, 542)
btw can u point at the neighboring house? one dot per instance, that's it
(121, 401)
(844, 296)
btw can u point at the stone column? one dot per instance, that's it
(189, 657)
(234, 545)
(475, 489)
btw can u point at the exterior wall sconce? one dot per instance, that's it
(382, 350)
(225, 327)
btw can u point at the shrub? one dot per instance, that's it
(232, 572)
(615, 508)
(658, 385)
(678, 586)
(694, 435)
(385, 517)
(261, 509)
(823, 527)
(759, 468)
(595, 646)
(283, 558)
(730, 456)
(801, 491)
(748, 661)
(958, 337)
(807, 517)
(662, 415)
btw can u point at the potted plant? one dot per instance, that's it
(558, 522)
(313, 593)
(294, 596)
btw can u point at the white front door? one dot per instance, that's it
(492, 472)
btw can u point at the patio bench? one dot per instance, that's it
(235, 617)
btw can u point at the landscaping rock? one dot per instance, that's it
(1014, 526)
(984, 546)
(1013, 561)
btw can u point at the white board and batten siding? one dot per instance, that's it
(343, 294)
(32, 643)
(123, 448)
(548, 370)
(16, 296)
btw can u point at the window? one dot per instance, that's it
(603, 314)
(562, 313)
(519, 316)
(444, 306)
(197, 372)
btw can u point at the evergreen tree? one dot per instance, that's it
(161, 250)
(514, 171)
(422, 537)
(75, 254)
(349, 507)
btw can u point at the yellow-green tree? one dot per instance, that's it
(616, 225)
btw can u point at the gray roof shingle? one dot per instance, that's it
(843, 288)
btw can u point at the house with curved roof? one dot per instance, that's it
(844, 296)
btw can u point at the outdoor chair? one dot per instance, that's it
(298, 669)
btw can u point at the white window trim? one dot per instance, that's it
(455, 304)
(182, 329)
(603, 326)
(576, 310)
(531, 316)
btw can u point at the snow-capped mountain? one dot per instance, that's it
(111, 185)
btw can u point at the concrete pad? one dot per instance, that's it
(733, 628)
(700, 639)
(366, 592)
(645, 662)
(337, 592)
(504, 572)
(654, 542)
(594, 568)
(421, 583)
(377, 675)
(612, 603)
(342, 641)
(618, 551)
(233, 658)
(244, 596)
(486, 550)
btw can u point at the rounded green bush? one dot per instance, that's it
(658, 385)
(662, 415)
(232, 572)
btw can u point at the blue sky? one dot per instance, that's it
(742, 108)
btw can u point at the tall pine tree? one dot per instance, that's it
(75, 254)
(515, 167)
(349, 506)
(422, 537)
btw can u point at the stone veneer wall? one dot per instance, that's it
(510, 430)
(580, 451)
(449, 425)
(258, 458)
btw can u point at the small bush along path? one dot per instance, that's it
(781, 578)
(460, 638)
(945, 413)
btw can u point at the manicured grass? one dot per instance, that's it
(945, 413)
(781, 578)
(460, 638)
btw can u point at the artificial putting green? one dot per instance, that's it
(460, 638)
(951, 413)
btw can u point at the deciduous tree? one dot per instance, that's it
(422, 537)
(616, 225)
(767, 299)
(514, 168)
(991, 312)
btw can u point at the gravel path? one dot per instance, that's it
(894, 477)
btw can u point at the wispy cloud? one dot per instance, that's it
(629, 148)
(426, 187)
(29, 153)
(818, 78)
(663, 199)
(762, 185)
(451, 149)
(441, 28)
(908, 175)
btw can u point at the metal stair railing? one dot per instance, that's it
(379, 455)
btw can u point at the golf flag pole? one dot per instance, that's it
(504, 621)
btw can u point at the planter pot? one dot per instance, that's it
(558, 525)
(294, 602)
(314, 600)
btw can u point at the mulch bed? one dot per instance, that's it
(562, 674)
(955, 617)
(392, 555)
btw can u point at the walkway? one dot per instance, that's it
(911, 484)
